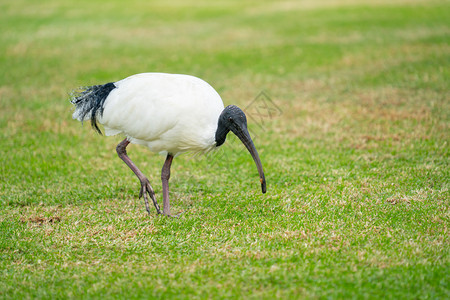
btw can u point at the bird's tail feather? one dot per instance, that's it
(89, 102)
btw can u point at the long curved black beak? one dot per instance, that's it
(243, 134)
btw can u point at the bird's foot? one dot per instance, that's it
(147, 190)
(174, 216)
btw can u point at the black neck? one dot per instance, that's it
(221, 133)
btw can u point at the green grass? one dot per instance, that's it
(356, 160)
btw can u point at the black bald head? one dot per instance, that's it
(232, 118)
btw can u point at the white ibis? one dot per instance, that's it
(168, 113)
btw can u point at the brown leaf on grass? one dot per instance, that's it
(396, 200)
(41, 220)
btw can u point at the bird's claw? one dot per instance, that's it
(172, 216)
(175, 216)
(146, 188)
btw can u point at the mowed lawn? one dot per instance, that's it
(348, 103)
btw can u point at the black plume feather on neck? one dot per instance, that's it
(91, 100)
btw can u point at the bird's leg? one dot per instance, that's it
(165, 175)
(145, 184)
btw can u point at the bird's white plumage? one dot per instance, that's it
(169, 113)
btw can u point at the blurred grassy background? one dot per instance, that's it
(356, 159)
